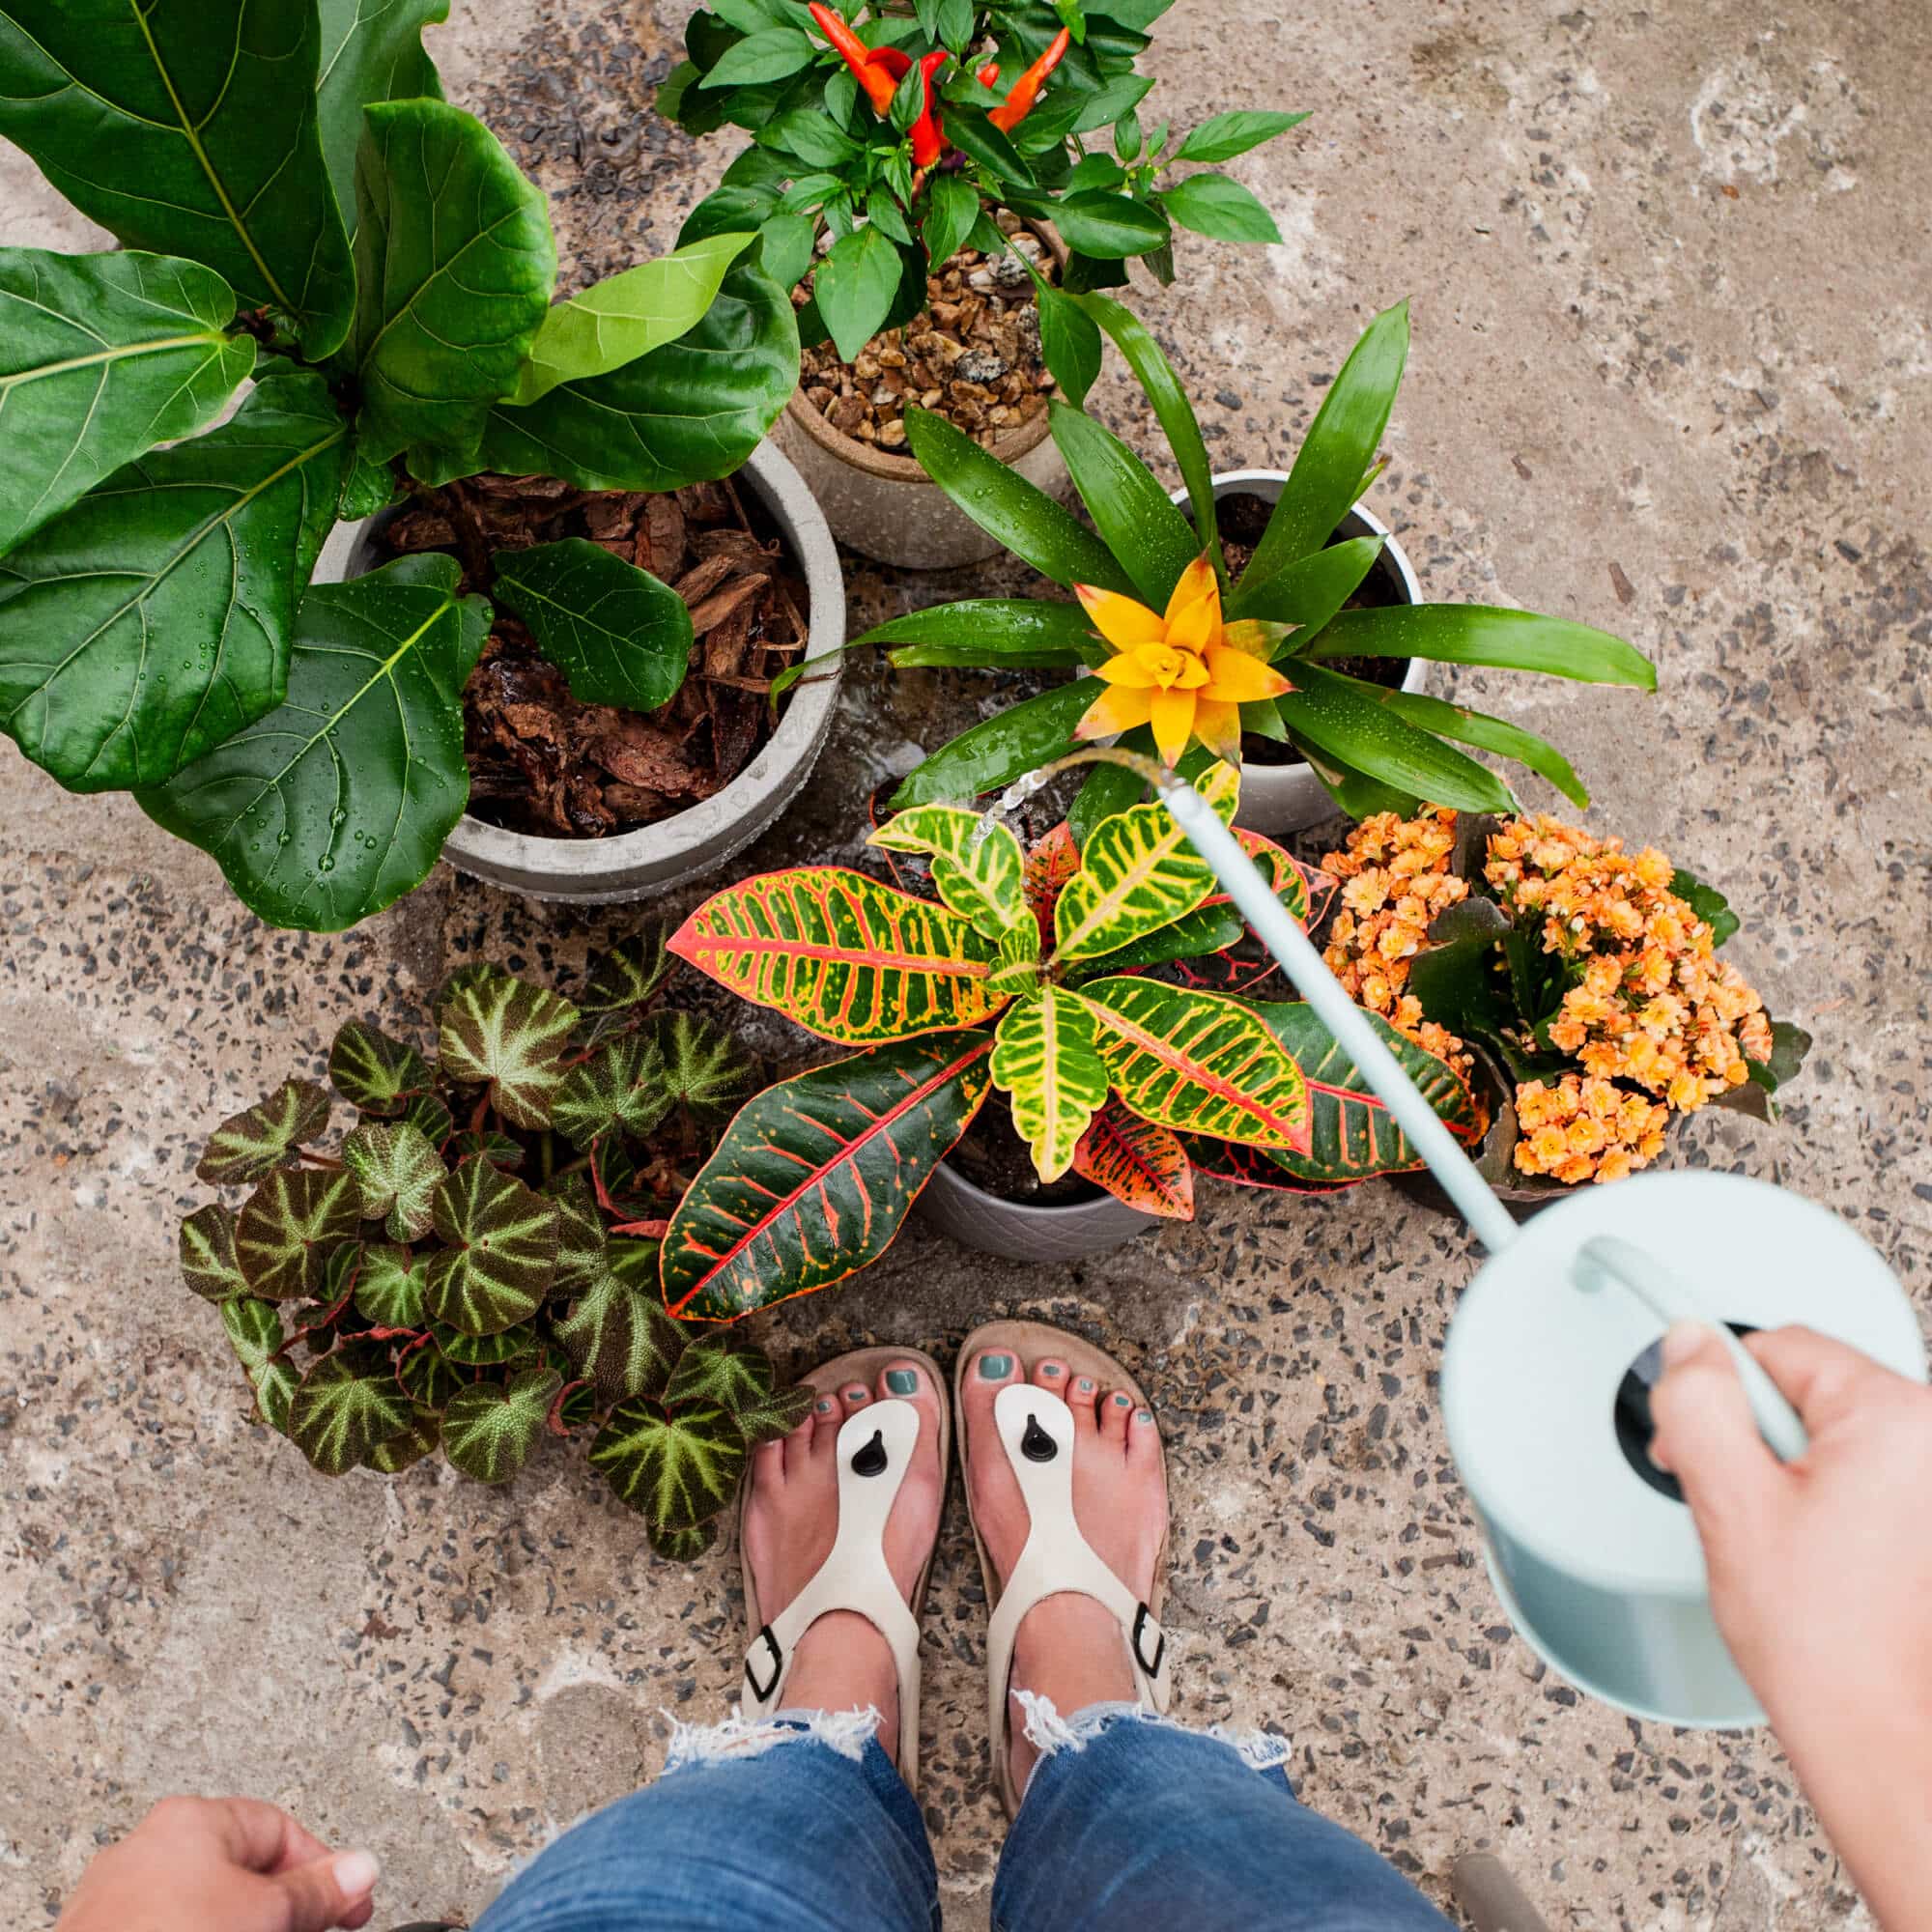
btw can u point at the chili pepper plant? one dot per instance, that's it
(1106, 993)
(299, 207)
(475, 1268)
(897, 134)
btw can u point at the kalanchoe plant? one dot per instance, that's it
(477, 1267)
(300, 206)
(1178, 650)
(1101, 991)
(897, 133)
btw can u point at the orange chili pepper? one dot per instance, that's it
(1025, 91)
(871, 73)
(989, 74)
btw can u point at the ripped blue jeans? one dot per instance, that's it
(803, 1823)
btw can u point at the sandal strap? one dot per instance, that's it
(875, 1448)
(1036, 1430)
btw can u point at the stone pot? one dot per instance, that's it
(1020, 1232)
(886, 506)
(1277, 799)
(640, 864)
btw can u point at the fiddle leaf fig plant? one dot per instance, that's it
(300, 207)
(1098, 990)
(479, 1290)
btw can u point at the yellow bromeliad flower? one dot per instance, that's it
(1184, 670)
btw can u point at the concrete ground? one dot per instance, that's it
(1671, 374)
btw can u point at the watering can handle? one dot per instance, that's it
(1604, 1258)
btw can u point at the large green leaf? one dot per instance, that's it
(1219, 206)
(692, 411)
(499, 1256)
(1223, 137)
(1136, 518)
(454, 263)
(1047, 1063)
(489, 1433)
(190, 131)
(815, 1176)
(254, 1331)
(375, 1073)
(997, 749)
(1309, 591)
(616, 1332)
(517, 1037)
(855, 286)
(620, 1089)
(706, 1071)
(676, 1470)
(371, 50)
(101, 357)
(348, 1403)
(398, 1172)
(1488, 735)
(993, 633)
(207, 1260)
(263, 1137)
(615, 630)
(1478, 634)
(152, 620)
(1109, 226)
(291, 1227)
(977, 863)
(338, 801)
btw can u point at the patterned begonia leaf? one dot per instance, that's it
(417, 1440)
(348, 1403)
(255, 1333)
(581, 1240)
(775, 1415)
(683, 1545)
(339, 1275)
(208, 1254)
(619, 1090)
(484, 1351)
(977, 864)
(705, 1070)
(1047, 1062)
(397, 1171)
(717, 1373)
(489, 1432)
(429, 1376)
(617, 1333)
(389, 1287)
(516, 1036)
(432, 1115)
(623, 979)
(499, 1150)
(290, 1225)
(375, 1073)
(499, 1256)
(1138, 1162)
(263, 1137)
(675, 1470)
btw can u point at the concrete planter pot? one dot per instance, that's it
(638, 864)
(886, 506)
(1020, 1233)
(1276, 799)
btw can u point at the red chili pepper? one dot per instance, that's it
(1012, 110)
(867, 68)
(929, 141)
(989, 74)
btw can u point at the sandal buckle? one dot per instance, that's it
(760, 1691)
(1143, 1623)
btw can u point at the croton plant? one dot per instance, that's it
(475, 1267)
(892, 133)
(300, 207)
(1106, 991)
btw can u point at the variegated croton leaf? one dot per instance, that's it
(498, 1256)
(617, 1332)
(489, 1432)
(620, 1089)
(1047, 1063)
(397, 1173)
(1050, 862)
(676, 1469)
(1138, 1162)
(389, 1287)
(705, 1070)
(290, 1227)
(348, 1403)
(622, 980)
(515, 1036)
(255, 1333)
(208, 1254)
(265, 1136)
(977, 865)
(375, 1073)
(717, 1373)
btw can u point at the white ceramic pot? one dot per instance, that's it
(690, 843)
(1276, 799)
(1021, 1233)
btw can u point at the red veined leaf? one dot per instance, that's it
(1053, 860)
(1250, 1167)
(815, 1176)
(1138, 1162)
(847, 957)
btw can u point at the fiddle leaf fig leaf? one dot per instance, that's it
(255, 1333)
(290, 1227)
(265, 1136)
(347, 1404)
(499, 1252)
(389, 1287)
(417, 1440)
(617, 1333)
(397, 1173)
(682, 1546)
(429, 1376)
(510, 1034)
(489, 1433)
(677, 1470)
(484, 1351)
(705, 1070)
(581, 1240)
(371, 50)
(620, 1089)
(376, 1074)
(208, 1254)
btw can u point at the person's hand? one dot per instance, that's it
(1821, 1581)
(220, 1864)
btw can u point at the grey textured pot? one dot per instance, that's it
(976, 1219)
(1289, 798)
(637, 864)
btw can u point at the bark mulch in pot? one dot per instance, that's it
(540, 760)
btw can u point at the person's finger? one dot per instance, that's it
(1705, 1436)
(328, 1892)
(1827, 1380)
(261, 1837)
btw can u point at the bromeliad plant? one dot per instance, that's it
(1177, 650)
(301, 207)
(1099, 990)
(477, 1267)
(898, 133)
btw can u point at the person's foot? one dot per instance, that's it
(792, 1518)
(1069, 1648)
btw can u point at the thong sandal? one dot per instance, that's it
(1037, 1432)
(875, 1447)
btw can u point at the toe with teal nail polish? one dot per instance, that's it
(995, 1368)
(903, 1382)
